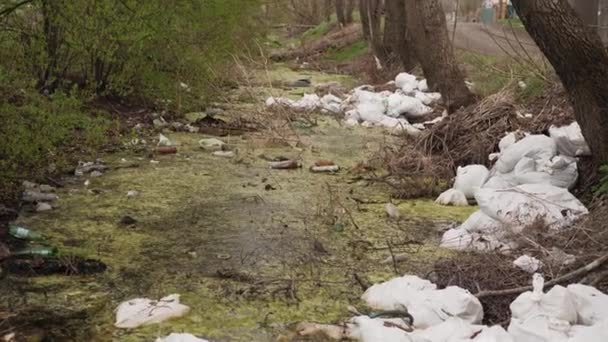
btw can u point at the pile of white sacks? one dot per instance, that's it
(528, 183)
(577, 313)
(364, 106)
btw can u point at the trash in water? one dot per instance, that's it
(23, 233)
(164, 141)
(391, 210)
(211, 144)
(132, 193)
(223, 154)
(32, 196)
(174, 337)
(88, 167)
(43, 206)
(96, 174)
(325, 166)
(285, 164)
(166, 150)
(142, 311)
(38, 251)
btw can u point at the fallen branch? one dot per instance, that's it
(583, 270)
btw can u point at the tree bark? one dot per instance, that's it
(350, 8)
(371, 18)
(340, 11)
(580, 61)
(396, 39)
(586, 10)
(427, 25)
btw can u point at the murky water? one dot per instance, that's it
(251, 250)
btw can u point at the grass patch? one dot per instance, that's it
(319, 31)
(515, 23)
(491, 74)
(347, 53)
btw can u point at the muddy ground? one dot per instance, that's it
(251, 250)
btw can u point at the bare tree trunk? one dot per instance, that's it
(328, 9)
(427, 24)
(340, 11)
(371, 19)
(364, 14)
(350, 8)
(580, 61)
(396, 40)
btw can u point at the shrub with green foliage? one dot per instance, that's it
(150, 49)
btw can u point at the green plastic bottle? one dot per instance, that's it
(38, 251)
(23, 233)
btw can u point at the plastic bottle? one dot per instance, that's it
(38, 251)
(23, 233)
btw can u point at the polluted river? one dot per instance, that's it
(251, 250)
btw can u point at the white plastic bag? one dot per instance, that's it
(457, 239)
(406, 82)
(141, 311)
(470, 178)
(175, 337)
(569, 140)
(452, 197)
(591, 304)
(527, 263)
(557, 303)
(525, 204)
(536, 147)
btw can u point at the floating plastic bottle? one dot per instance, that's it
(23, 233)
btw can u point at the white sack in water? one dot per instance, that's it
(560, 171)
(591, 304)
(537, 147)
(398, 104)
(428, 98)
(174, 337)
(570, 140)
(470, 178)
(141, 311)
(406, 82)
(427, 305)
(452, 197)
(525, 204)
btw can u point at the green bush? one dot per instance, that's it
(128, 48)
(42, 130)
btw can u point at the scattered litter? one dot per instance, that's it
(211, 144)
(392, 211)
(96, 174)
(175, 337)
(164, 141)
(88, 167)
(132, 193)
(142, 311)
(87, 183)
(31, 196)
(557, 257)
(159, 123)
(154, 162)
(285, 164)
(166, 150)
(522, 85)
(43, 206)
(406, 82)
(23, 233)
(224, 154)
(324, 166)
(527, 263)
(452, 197)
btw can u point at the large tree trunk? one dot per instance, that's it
(372, 11)
(340, 11)
(396, 40)
(580, 61)
(587, 10)
(350, 8)
(427, 25)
